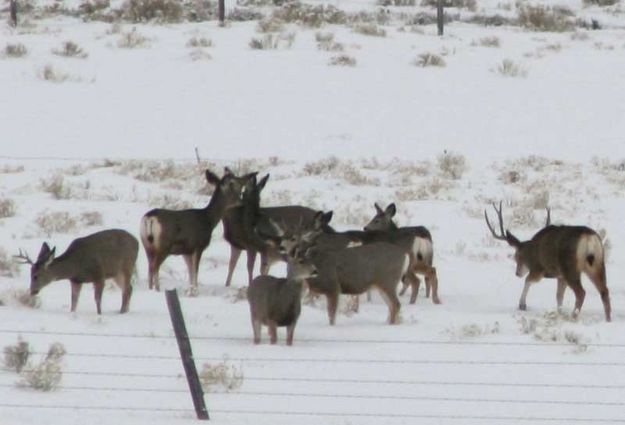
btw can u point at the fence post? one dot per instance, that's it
(13, 12)
(440, 16)
(184, 345)
(221, 11)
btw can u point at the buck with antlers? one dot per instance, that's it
(94, 258)
(561, 252)
(188, 232)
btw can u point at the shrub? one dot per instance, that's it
(55, 186)
(452, 165)
(11, 169)
(492, 41)
(223, 375)
(16, 356)
(325, 41)
(541, 18)
(47, 375)
(56, 222)
(243, 15)
(147, 10)
(470, 5)
(370, 29)
(14, 50)
(69, 49)
(322, 166)
(197, 42)
(271, 41)
(269, 25)
(399, 3)
(48, 73)
(7, 208)
(600, 3)
(429, 59)
(509, 68)
(91, 218)
(132, 39)
(342, 60)
(21, 297)
(310, 16)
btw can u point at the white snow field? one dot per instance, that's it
(112, 135)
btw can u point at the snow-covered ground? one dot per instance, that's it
(118, 137)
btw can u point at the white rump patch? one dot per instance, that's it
(424, 247)
(150, 231)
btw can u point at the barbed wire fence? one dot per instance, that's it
(326, 391)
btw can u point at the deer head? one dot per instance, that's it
(383, 219)
(40, 274)
(522, 250)
(229, 186)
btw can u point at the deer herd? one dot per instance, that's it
(326, 261)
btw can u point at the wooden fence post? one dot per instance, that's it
(13, 12)
(184, 345)
(440, 16)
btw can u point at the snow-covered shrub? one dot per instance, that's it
(271, 41)
(55, 186)
(14, 50)
(147, 10)
(429, 59)
(7, 208)
(398, 3)
(91, 218)
(342, 60)
(55, 222)
(269, 25)
(370, 29)
(46, 375)
(470, 5)
(325, 41)
(509, 68)
(199, 42)
(600, 3)
(221, 375)
(491, 41)
(16, 356)
(19, 297)
(239, 14)
(452, 165)
(69, 49)
(132, 39)
(11, 169)
(49, 73)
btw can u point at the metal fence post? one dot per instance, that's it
(440, 16)
(186, 354)
(13, 12)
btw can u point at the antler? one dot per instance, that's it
(501, 236)
(24, 257)
(548, 217)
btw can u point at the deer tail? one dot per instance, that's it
(423, 250)
(589, 252)
(150, 231)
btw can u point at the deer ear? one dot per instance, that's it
(512, 240)
(377, 208)
(262, 182)
(228, 171)
(391, 210)
(212, 178)
(327, 217)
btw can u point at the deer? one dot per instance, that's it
(416, 241)
(188, 232)
(91, 259)
(277, 301)
(270, 221)
(346, 266)
(560, 252)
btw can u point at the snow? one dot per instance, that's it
(473, 358)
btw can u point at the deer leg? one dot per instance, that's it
(390, 297)
(98, 288)
(580, 294)
(356, 301)
(411, 279)
(251, 260)
(600, 282)
(123, 281)
(273, 332)
(289, 334)
(531, 278)
(235, 253)
(431, 279)
(333, 302)
(256, 328)
(76, 287)
(560, 293)
(154, 265)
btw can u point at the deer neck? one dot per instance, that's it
(216, 208)
(63, 267)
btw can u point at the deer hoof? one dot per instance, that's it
(523, 307)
